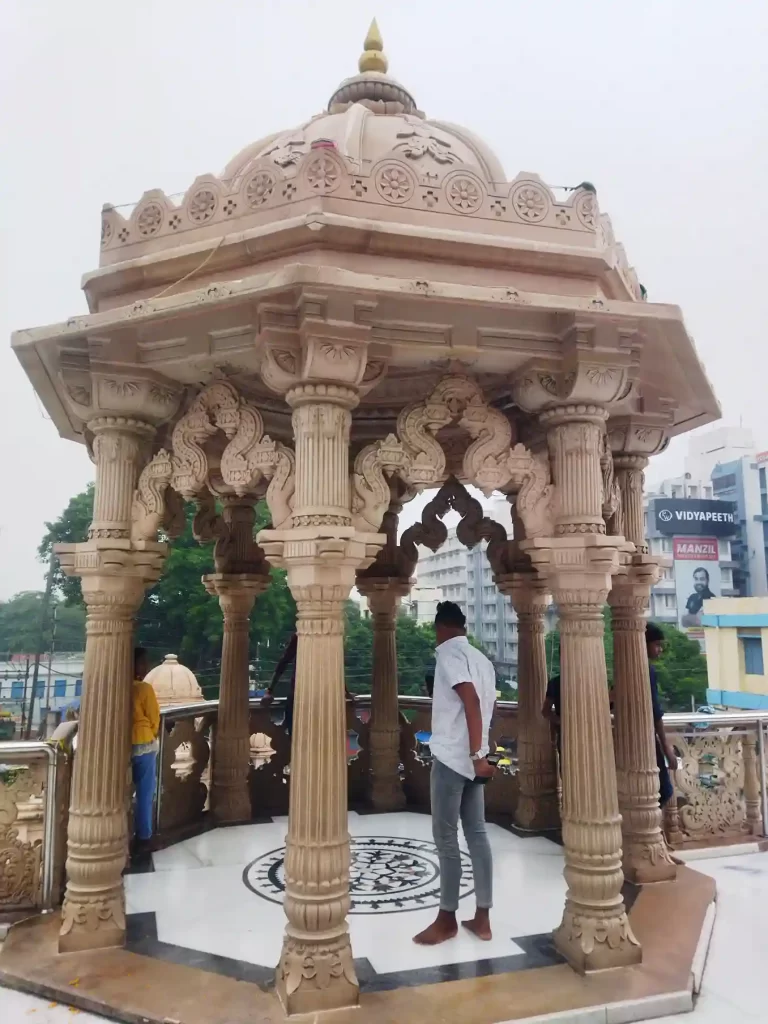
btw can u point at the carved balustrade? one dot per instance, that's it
(720, 792)
(34, 802)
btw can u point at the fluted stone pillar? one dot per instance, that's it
(537, 805)
(241, 576)
(386, 792)
(645, 854)
(321, 552)
(579, 562)
(230, 797)
(114, 575)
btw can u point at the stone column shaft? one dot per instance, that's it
(241, 577)
(645, 854)
(579, 562)
(113, 578)
(537, 805)
(321, 553)
(322, 464)
(230, 796)
(384, 734)
(117, 446)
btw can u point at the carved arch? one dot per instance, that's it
(490, 462)
(473, 527)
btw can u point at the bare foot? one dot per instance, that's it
(480, 926)
(441, 929)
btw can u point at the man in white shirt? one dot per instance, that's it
(462, 707)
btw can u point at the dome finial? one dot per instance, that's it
(373, 59)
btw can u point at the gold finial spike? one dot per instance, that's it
(373, 59)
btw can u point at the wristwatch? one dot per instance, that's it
(477, 757)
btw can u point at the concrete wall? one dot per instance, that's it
(727, 623)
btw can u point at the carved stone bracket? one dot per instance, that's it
(249, 456)
(490, 461)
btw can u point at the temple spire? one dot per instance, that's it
(373, 58)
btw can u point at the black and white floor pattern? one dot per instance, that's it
(215, 901)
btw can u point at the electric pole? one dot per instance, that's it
(40, 643)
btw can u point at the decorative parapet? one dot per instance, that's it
(423, 172)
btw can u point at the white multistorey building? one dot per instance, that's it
(465, 576)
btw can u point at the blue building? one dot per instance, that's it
(743, 481)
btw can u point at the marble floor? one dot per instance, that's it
(395, 893)
(192, 887)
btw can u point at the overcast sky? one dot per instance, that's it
(663, 105)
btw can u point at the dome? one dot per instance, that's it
(174, 683)
(371, 170)
(371, 116)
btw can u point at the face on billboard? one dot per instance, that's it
(697, 577)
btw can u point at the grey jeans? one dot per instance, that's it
(453, 797)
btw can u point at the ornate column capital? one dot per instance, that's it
(529, 593)
(97, 390)
(383, 592)
(638, 435)
(309, 342)
(236, 591)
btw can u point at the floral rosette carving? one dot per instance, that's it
(530, 202)
(323, 173)
(395, 183)
(464, 193)
(149, 219)
(259, 188)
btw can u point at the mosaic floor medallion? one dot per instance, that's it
(387, 875)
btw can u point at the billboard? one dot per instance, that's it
(697, 577)
(695, 518)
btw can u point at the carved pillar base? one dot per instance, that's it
(386, 791)
(595, 931)
(537, 805)
(645, 855)
(230, 796)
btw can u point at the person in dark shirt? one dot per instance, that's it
(551, 709)
(666, 758)
(288, 658)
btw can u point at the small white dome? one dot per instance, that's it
(174, 683)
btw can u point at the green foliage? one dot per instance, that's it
(681, 671)
(415, 652)
(20, 625)
(178, 615)
(71, 527)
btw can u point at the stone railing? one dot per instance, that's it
(719, 792)
(720, 782)
(34, 802)
(188, 739)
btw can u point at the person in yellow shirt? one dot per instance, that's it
(144, 747)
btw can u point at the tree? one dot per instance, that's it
(70, 528)
(681, 671)
(20, 625)
(178, 615)
(415, 652)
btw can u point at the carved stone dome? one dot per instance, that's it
(174, 683)
(370, 170)
(369, 117)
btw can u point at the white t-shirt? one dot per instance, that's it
(457, 661)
